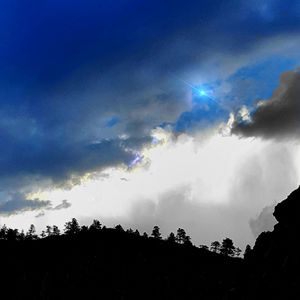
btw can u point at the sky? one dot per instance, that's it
(142, 113)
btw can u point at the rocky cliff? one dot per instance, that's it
(274, 265)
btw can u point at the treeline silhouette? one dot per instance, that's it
(96, 262)
(73, 228)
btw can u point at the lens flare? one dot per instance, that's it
(202, 93)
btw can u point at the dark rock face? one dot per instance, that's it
(287, 212)
(274, 265)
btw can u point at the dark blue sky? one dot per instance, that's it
(43, 44)
(76, 76)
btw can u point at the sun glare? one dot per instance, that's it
(202, 93)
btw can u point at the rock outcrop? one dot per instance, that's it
(274, 266)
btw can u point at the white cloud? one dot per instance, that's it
(225, 181)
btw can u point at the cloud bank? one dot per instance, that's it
(277, 117)
(187, 181)
(17, 203)
(61, 89)
(83, 85)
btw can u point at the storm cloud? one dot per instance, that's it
(59, 161)
(64, 79)
(277, 117)
(83, 83)
(63, 205)
(17, 203)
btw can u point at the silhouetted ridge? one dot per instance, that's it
(119, 264)
(274, 264)
(287, 211)
(96, 262)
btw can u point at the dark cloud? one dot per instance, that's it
(40, 214)
(63, 205)
(18, 203)
(62, 160)
(80, 74)
(278, 117)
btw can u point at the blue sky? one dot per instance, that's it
(83, 84)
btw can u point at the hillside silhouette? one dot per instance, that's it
(95, 262)
(272, 267)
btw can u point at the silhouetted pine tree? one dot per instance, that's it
(180, 236)
(72, 227)
(215, 246)
(55, 230)
(247, 252)
(48, 230)
(119, 228)
(3, 231)
(227, 247)
(96, 225)
(171, 238)
(156, 233)
(31, 233)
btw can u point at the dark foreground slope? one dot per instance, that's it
(113, 265)
(272, 270)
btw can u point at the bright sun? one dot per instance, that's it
(202, 93)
